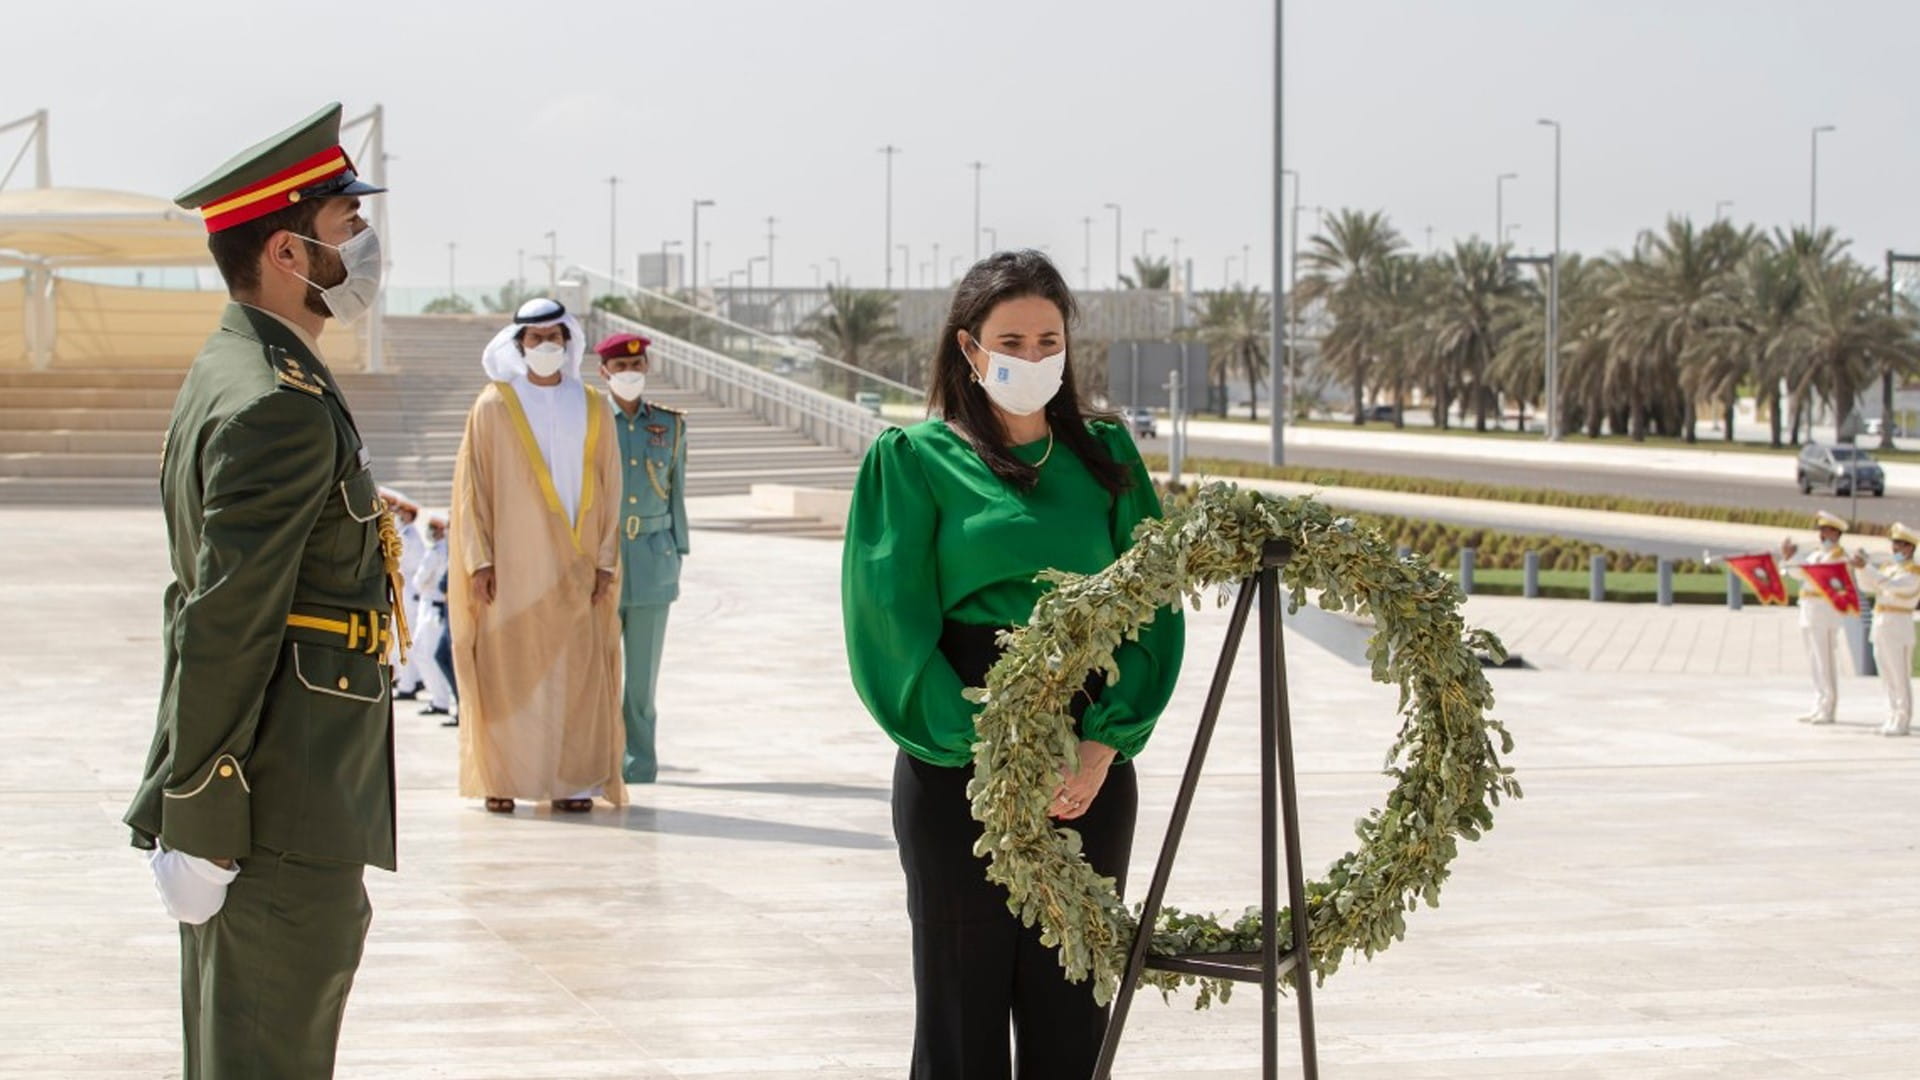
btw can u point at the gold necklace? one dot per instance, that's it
(1049, 453)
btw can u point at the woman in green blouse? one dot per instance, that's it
(952, 519)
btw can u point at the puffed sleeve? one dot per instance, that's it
(891, 611)
(1149, 666)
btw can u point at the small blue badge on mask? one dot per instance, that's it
(1002, 375)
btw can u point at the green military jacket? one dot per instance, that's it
(653, 503)
(273, 730)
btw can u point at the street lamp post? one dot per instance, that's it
(750, 262)
(613, 210)
(835, 260)
(1500, 204)
(890, 151)
(1115, 207)
(976, 166)
(906, 263)
(1886, 377)
(1277, 448)
(770, 238)
(666, 282)
(1086, 258)
(1512, 227)
(1813, 184)
(553, 262)
(1553, 298)
(1719, 206)
(694, 251)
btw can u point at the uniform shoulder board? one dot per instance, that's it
(681, 413)
(293, 374)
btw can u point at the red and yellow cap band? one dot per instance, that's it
(276, 192)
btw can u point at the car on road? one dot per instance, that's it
(1876, 425)
(1380, 413)
(1142, 423)
(1840, 469)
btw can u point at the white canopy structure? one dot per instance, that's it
(44, 230)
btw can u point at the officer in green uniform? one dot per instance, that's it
(269, 787)
(653, 536)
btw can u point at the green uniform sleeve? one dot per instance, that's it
(678, 497)
(890, 607)
(1149, 666)
(266, 473)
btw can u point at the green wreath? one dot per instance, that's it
(1447, 771)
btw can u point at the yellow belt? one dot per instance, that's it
(370, 632)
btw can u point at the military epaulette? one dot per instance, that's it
(681, 413)
(292, 373)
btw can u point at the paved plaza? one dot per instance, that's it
(1694, 886)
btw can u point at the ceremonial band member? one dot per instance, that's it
(951, 521)
(1896, 587)
(535, 551)
(269, 787)
(653, 536)
(1819, 622)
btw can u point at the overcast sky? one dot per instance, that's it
(505, 119)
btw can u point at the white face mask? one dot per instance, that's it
(627, 385)
(1021, 387)
(545, 359)
(361, 256)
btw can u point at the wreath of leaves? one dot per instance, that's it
(1447, 772)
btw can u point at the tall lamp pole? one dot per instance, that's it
(1500, 205)
(890, 151)
(1720, 206)
(1115, 207)
(1276, 378)
(771, 221)
(613, 210)
(666, 279)
(1894, 258)
(1553, 298)
(694, 251)
(976, 166)
(1813, 183)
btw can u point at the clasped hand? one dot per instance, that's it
(1080, 785)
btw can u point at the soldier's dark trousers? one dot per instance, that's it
(263, 984)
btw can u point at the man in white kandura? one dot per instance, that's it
(1896, 588)
(1819, 622)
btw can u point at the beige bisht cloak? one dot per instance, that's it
(539, 668)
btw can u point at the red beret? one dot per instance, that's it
(622, 345)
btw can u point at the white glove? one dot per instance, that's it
(191, 888)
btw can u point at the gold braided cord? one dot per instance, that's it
(390, 551)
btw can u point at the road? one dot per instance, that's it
(1715, 490)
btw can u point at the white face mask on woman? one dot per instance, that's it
(1021, 387)
(545, 359)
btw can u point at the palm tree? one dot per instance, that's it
(510, 297)
(856, 326)
(1846, 333)
(1768, 290)
(1674, 289)
(1520, 367)
(1476, 286)
(1400, 297)
(1154, 273)
(1237, 325)
(1339, 262)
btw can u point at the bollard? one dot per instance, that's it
(1597, 591)
(1734, 594)
(1531, 588)
(1865, 663)
(1466, 570)
(1666, 583)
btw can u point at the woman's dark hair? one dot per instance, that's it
(959, 398)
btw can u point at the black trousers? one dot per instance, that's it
(975, 968)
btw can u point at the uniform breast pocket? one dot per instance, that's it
(358, 526)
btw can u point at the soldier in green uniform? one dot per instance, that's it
(269, 787)
(653, 536)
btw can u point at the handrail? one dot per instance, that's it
(641, 292)
(780, 401)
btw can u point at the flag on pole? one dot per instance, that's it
(1761, 574)
(1835, 582)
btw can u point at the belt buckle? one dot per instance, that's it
(378, 633)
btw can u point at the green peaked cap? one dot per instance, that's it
(260, 162)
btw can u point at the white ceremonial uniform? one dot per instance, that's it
(1896, 589)
(430, 616)
(1820, 627)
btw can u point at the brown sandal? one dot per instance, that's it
(499, 806)
(573, 806)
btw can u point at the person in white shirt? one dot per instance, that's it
(406, 514)
(430, 619)
(1819, 622)
(1896, 589)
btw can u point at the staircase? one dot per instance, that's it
(93, 437)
